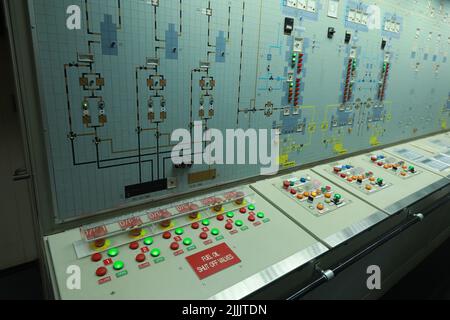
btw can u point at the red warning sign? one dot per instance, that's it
(212, 260)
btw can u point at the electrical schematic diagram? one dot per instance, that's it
(329, 76)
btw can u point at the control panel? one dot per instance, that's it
(328, 211)
(220, 246)
(435, 161)
(378, 180)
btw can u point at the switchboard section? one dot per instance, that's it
(217, 246)
(330, 212)
(387, 182)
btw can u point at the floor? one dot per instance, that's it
(430, 280)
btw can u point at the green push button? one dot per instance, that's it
(251, 207)
(118, 265)
(215, 232)
(148, 241)
(230, 214)
(155, 253)
(337, 196)
(113, 252)
(239, 223)
(179, 231)
(260, 215)
(187, 241)
(206, 222)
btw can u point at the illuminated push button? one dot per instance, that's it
(118, 265)
(251, 207)
(179, 231)
(167, 235)
(136, 232)
(368, 187)
(314, 194)
(343, 175)
(148, 241)
(328, 188)
(374, 158)
(302, 180)
(113, 252)
(293, 191)
(134, 245)
(229, 226)
(193, 215)
(206, 222)
(165, 224)
(140, 258)
(243, 210)
(239, 223)
(220, 217)
(230, 214)
(260, 215)
(320, 206)
(251, 218)
(306, 194)
(102, 271)
(403, 174)
(203, 236)
(380, 182)
(286, 184)
(187, 241)
(100, 243)
(195, 226)
(328, 195)
(240, 199)
(96, 257)
(299, 196)
(215, 232)
(155, 253)
(174, 246)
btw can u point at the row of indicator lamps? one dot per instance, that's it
(384, 76)
(393, 166)
(348, 87)
(100, 243)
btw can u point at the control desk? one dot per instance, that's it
(386, 182)
(220, 246)
(328, 211)
(422, 153)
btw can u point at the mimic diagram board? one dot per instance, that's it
(330, 77)
(328, 211)
(387, 182)
(226, 256)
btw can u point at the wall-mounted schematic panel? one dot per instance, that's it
(329, 77)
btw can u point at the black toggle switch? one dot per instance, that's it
(348, 37)
(383, 44)
(331, 32)
(288, 26)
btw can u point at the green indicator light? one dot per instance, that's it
(113, 252)
(118, 265)
(206, 222)
(215, 232)
(230, 214)
(294, 54)
(187, 241)
(251, 207)
(337, 196)
(148, 241)
(260, 215)
(239, 223)
(292, 84)
(179, 231)
(380, 181)
(155, 253)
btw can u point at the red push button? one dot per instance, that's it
(140, 257)
(101, 272)
(251, 218)
(286, 184)
(134, 245)
(293, 191)
(243, 210)
(229, 226)
(203, 236)
(167, 235)
(96, 257)
(174, 246)
(220, 217)
(195, 225)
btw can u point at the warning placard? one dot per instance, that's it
(212, 260)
